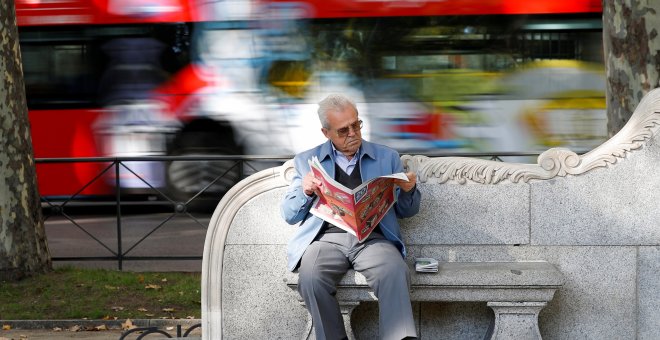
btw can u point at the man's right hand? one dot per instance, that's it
(311, 184)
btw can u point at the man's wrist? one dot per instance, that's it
(411, 189)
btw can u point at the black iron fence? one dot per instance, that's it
(123, 203)
(166, 204)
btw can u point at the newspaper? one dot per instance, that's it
(357, 211)
(426, 265)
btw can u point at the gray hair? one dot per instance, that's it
(333, 103)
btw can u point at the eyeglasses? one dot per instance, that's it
(343, 132)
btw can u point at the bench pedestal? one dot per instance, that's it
(347, 308)
(516, 320)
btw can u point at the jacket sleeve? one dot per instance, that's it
(295, 205)
(407, 204)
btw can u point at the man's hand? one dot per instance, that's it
(410, 184)
(310, 184)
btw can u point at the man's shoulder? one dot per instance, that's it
(310, 152)
(304, 156)
(379, 150)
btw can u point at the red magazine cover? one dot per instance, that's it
(357, 211)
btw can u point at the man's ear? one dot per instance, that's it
(325, 132)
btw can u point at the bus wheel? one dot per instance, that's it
(200, 184)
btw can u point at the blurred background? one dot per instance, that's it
(134, 78)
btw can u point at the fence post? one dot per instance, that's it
(120, 253)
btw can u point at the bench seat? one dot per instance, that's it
(516, 291)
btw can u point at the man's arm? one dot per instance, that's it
(409, 197)
(408, 203)
(296, 204)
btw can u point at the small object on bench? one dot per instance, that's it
(426, 265)
(516, 291)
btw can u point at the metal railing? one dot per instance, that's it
(112, 167)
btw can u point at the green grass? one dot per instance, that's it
(72, 293)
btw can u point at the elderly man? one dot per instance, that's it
(322, 252)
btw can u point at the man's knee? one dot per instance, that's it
(394, 275)
(315, 281)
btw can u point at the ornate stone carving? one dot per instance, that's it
(287, 171)
(552, 163)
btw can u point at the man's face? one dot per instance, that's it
(344, 131)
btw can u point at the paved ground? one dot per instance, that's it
(89, 329)
(113, 334)
(38, 334)
(142, 235)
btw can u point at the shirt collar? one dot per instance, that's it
(366, 149)
(343, 161)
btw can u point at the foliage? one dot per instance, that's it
(72, 293)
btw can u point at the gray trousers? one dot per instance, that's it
(328, 258)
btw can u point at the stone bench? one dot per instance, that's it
(594, 217)
(516, 291)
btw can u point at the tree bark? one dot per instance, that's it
(23, 246)
(631, 45)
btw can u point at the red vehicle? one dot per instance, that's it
(188, 77)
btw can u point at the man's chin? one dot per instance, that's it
(351, 150)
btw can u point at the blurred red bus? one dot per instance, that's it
(190, 77)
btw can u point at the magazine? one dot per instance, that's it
(357, 211)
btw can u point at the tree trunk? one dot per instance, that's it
(23, 247)
(631, 45)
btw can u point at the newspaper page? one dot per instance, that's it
(357, 211)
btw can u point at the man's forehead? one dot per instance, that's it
(345, 113)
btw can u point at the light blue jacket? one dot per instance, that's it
(375, 160)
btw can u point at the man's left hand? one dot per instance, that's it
(407, 185)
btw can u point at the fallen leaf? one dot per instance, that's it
(101, 328)
(75, 328)
(111, 287)
(141, 278)
(168, 310)
(142, 309)
(152, 286)
(128, 325)
(190, 317)
(169, 328)
(117, 308)
(57, 329)
(163, 280)
(6, 327)
(107, 317)
(149, 314)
